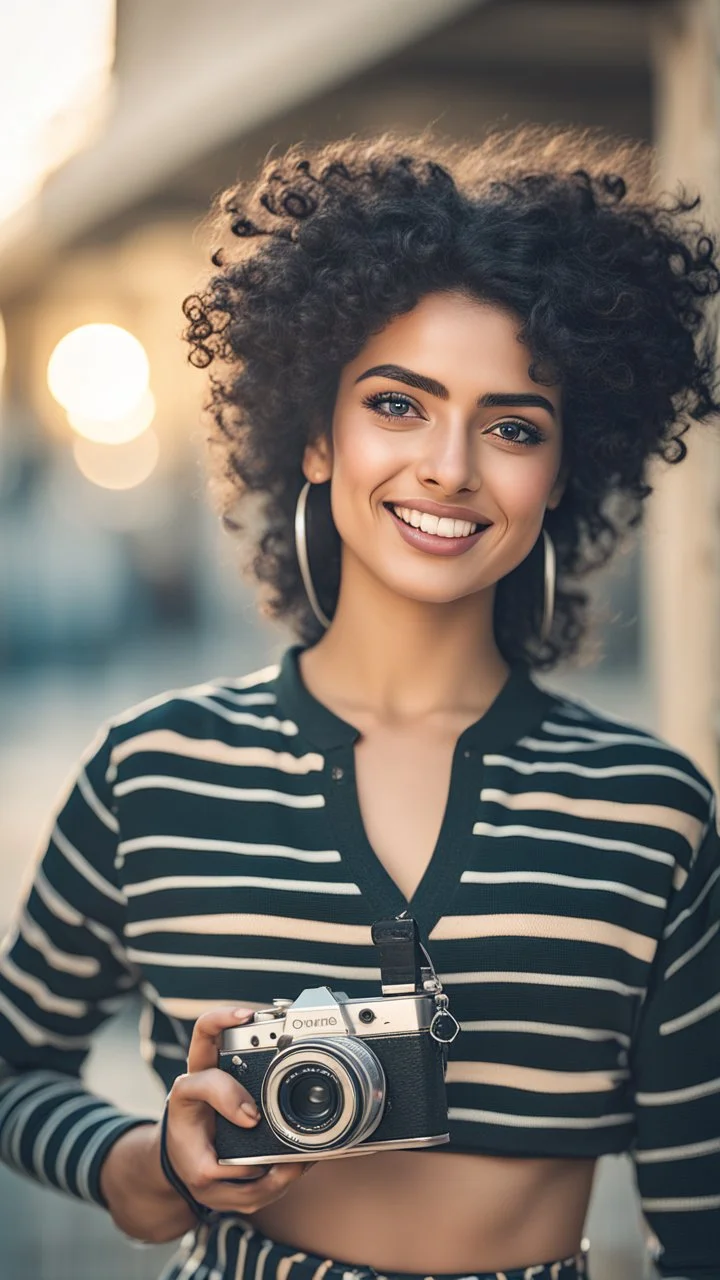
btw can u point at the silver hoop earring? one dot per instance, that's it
(549, 596)
(302, 554)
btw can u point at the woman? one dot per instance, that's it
(442, 369)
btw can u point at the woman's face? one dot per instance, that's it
(444, 454)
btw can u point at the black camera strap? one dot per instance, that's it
(401, 955)
(201, 1211)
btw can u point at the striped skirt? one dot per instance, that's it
(233, 1250)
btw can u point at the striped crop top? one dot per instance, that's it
(210, 850)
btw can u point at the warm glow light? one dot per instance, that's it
(3, 358)
(99, 372)
(119, 466)
(120, 431)
(55, 69)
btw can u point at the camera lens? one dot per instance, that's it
(309, 1098)
(323, 1093)
(313, 1101)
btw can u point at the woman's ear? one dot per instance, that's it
(558, 489)
(317, 460)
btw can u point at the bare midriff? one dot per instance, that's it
(432, 1212)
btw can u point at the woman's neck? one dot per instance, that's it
(399, 659)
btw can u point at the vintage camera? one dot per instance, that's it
(333, 1076)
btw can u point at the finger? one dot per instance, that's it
(194, 1092)
(192, 1103)
(247, 1172)
(205, 1041)
(196, 1163)
(282, 1175)
(254, 1195)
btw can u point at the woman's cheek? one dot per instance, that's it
(519, 487)
(364, 462)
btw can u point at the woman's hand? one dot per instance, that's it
(146, 1207)
(191, 1125)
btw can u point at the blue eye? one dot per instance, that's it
(395, 401)
(532, 433)
(394, 404)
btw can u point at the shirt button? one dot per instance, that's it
(467, 754)
(336, 773)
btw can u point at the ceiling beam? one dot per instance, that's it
(188, 78)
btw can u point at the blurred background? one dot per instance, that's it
(120, 122)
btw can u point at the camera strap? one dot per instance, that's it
(403, 972)
(444, 1027)
(201, 1211)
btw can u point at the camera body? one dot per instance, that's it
(333, 1076)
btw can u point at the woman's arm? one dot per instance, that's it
(139, 1198)
(676, 1071)
(132, 1179)
(63, 971)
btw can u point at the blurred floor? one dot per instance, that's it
(47, 719)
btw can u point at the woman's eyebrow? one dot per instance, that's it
(435, 388)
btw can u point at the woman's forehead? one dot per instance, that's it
(455, 341)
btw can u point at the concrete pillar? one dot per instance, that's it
(682, 541)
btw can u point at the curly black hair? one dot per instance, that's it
(329, 243)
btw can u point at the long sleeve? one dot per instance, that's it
(676, 1071)
(63, 971)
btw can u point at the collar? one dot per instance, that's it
(518, 707)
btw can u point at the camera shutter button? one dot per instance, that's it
(278, 1010)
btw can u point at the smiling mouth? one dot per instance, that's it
(440, 526)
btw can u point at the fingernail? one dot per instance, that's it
(242, 1013)
(251, 1110)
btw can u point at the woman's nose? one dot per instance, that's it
(450, 460)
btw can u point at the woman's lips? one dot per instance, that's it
(432, 542)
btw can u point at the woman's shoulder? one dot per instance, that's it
(205, 709)
(575, 721)
(593, 756)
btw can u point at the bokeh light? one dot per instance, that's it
(119, 430)
(118, 466)
(99, 373)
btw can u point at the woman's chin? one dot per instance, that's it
(428, 593)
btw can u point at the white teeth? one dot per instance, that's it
(442, 527)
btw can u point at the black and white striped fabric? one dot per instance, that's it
(210, 850)
(236, 1249)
